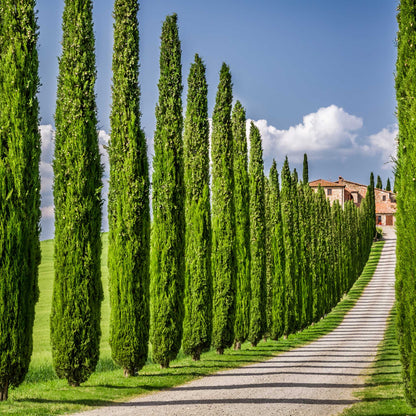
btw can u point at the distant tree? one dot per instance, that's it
(379, 183)
(305, 169)
(19, 189)
(197, 323)
(77, 291)
(388, 185)
(406, 197)
(257, 238)
(128, 200)
(242, 219)
(223, 216)
(167, 251)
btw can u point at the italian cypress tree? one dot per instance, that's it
(257, 238)
(372, 206)
(305, 170)
(242, 220)
(379, 183)
(406, 196)
(388, 185)
(77, 292)
(288, 221)
(275, 282)
(198, 302)
(19, 189)
(128, 201)
(223, 216)
(167, 251)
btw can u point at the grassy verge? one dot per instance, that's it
(43, 394)
(384, 394)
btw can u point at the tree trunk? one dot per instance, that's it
(220, 351)
(128, 372)
(237, 345)
(74, 383)
(4, 391)
(165, 364)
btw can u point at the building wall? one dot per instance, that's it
(337, 194)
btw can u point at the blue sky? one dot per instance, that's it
(315, 76)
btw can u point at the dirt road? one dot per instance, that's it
(318, 379)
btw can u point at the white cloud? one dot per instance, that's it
(328, 133)
(384, 143)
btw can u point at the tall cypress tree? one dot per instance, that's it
(167, 254)
(388, 185)
(198, 302)
(276, 262)
(257, 238)
(223, 216)
(19, 189)
(379, 183)
(242, 220)
(288, 221)
(406, 196)
(128, 200)
(305, 169)
(77, 293)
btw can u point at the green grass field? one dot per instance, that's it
(44, 394)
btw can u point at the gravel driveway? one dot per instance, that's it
(318, 379)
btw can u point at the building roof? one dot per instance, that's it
(325, 184)
(385, 208)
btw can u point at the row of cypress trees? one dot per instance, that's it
(255, 262)
(405, 184)
(315, 251)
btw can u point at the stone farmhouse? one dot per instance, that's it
(343, 191)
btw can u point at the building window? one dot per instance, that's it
(379, 222)
(384, 197)
(329, 192)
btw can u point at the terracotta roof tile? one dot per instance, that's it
(385, 208)
(325, 183)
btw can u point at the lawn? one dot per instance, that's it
(44, 394)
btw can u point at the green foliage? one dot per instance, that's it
(388, 185)
(223, 216)
(288, 222)
(379, 184)
(406, 186)
(197, 323)
(242, 220)
(305, 169)
(275, 257)
(75, 318)
(167, 253)
(257, 238)
(19, 189)
(128, 201)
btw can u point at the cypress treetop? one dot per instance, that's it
(388, 185)
(379, 183)
(305, 169)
